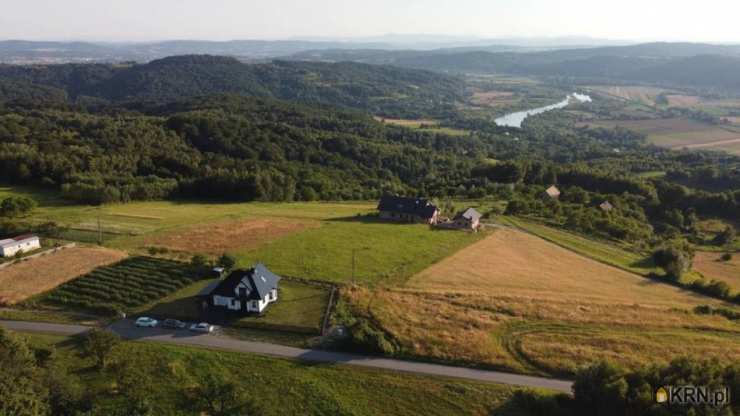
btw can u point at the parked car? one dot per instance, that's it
(202, 327)
(173, 324)
(145, 322)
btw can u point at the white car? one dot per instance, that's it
(145, 322)
(202, 327)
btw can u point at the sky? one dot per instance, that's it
(150, 20)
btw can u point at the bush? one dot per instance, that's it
(16, 206)
(726, 257)
(675, 259)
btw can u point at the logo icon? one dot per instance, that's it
(661, 396)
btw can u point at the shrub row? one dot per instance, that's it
(129, 283)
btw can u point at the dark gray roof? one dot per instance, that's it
(206, 291)
(261, 281)
(470, 214)
(419, 207)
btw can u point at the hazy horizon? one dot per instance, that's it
(219, 20)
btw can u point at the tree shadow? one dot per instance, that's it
(360, 218)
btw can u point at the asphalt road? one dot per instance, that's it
(126, 329)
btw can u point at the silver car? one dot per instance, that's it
(145, 322)
(202, 327)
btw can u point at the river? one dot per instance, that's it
(516, 119)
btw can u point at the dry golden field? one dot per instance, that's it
(217, 238)
(516, 302)
(23, 280)
(680, 133)
(514, 263)
(680, 100)
(493, 98)
(710, 265)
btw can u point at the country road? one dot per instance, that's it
(127, 330)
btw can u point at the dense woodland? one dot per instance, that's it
(116, 134)
(381, 90)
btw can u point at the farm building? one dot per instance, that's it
(400, 209)
(552, 192)
(466, 220)
(244, 291)
(21, 244)
(606, 206)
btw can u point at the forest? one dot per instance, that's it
(119, 135)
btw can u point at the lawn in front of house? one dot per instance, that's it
(300, 307)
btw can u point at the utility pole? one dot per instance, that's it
(100, 230)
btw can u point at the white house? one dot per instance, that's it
(248, 291)
(20, 244)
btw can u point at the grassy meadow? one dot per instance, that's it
(385, 252)
(283, 387)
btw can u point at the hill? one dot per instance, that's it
(378, 89)
(683, 64)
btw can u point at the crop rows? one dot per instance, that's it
(130, 283)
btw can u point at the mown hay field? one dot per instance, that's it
(681, 133)
(514, 263)
(519, 303)
(713, 267)
(23, 280)
(221, 237)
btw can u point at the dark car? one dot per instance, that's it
(173, 324)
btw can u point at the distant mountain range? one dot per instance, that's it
(22, 51)
(190, 72)
(682, 64)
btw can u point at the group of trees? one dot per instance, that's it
(605, 389)
(35, 381)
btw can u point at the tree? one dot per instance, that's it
(134, 381)
(219, 396)
(675, 259)
(99, 344)
(600, 390)
(726, 237)
(227, 261)
(22, 388)
(16, 206)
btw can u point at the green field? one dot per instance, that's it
(282, 387)
(125, 225)
(300, 308)
(122, 286)
(386, 252)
